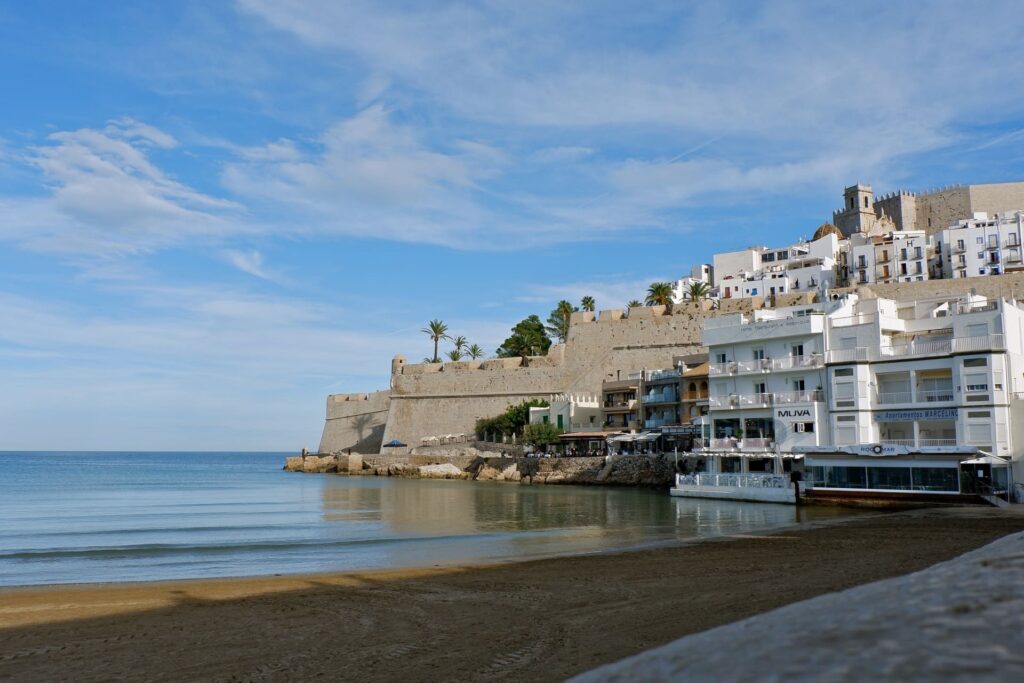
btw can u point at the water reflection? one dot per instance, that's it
(437, 522)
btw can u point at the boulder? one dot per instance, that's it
(294, 464)
(443, 471)
(487, 473)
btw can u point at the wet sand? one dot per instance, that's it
(538, 620)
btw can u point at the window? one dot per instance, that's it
(767, 257)
(844, 395)
(846, 418)
(561, 424)
(759, 354)
(862, 261)
(782, 256)
(797, 350)
(844, 372)
(719, 358)
(806, 427)
(903, 253)
(919, 268)
(977, 330)
(892, 478)
(980, 433)
(837, 477)
(798, 385)
(545, 419)
(960, 245)
(979, 413)
(917, 251)
(936, 479)
(975, 362)
(760, 388)
(753, 291)
(865, 202)
(976, 381)
(979, 240)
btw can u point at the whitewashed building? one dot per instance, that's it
(892, 257)
(914, 388)
(766, 373)
(702, 273)
(759, 271)
(982, 246)
(570, 413)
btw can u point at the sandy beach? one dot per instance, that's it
(538, 620)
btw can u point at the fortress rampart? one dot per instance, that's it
(355, 421)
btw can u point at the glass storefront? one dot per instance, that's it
(924, 479)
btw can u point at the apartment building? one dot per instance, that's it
(620, 408)
(759, 271)
(892, 257)
(661, 398)
(766, 374)
(981, 246)
(917, 388)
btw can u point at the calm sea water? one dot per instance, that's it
(106, 517)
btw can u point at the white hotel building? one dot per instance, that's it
(766, 374)
(982, 246)
(872, 396)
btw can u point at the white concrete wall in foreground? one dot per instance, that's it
(961, 620)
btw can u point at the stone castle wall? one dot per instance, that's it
(1008, 286)
(355, 421)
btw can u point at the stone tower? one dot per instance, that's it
(858, 214)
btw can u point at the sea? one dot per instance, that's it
(77, 517)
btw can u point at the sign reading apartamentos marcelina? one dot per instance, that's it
(901, 415)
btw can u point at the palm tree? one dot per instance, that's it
(587, 303)
(475, 351)
(455, 354)
(634, 304)
(460, 343)
(697, 290)
(558, 321)
(437, 331)
(659, 294)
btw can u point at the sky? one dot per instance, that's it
(215, 214)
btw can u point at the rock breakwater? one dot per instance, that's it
(472, 464)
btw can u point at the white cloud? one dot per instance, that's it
(106, 197)
(250, 262)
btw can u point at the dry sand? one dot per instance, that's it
(539, 620)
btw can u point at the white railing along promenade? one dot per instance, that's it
(761, 481)
(732, 443)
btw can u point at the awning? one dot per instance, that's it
(987, 460)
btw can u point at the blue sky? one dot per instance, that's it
(214, 214)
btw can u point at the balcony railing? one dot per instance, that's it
(920, 396)
(938, 347)
(727, 368)
(767, 365)
(695, 396)
(759, 365)
(766, 399)
(665, 397)
(664, 374)
(733, 443)
(918, 443)
(761, 481)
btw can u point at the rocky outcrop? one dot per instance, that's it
(469, 463)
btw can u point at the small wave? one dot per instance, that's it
(164, 549)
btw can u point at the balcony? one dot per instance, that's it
(664, 374)
(620, 405)
(662, 397)
(919, 443)
(919, 349)
(732, 443)
(759, 365)
(695, 396)
(728, 368)
(655, 422)
(764, 400)
(815, 360)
